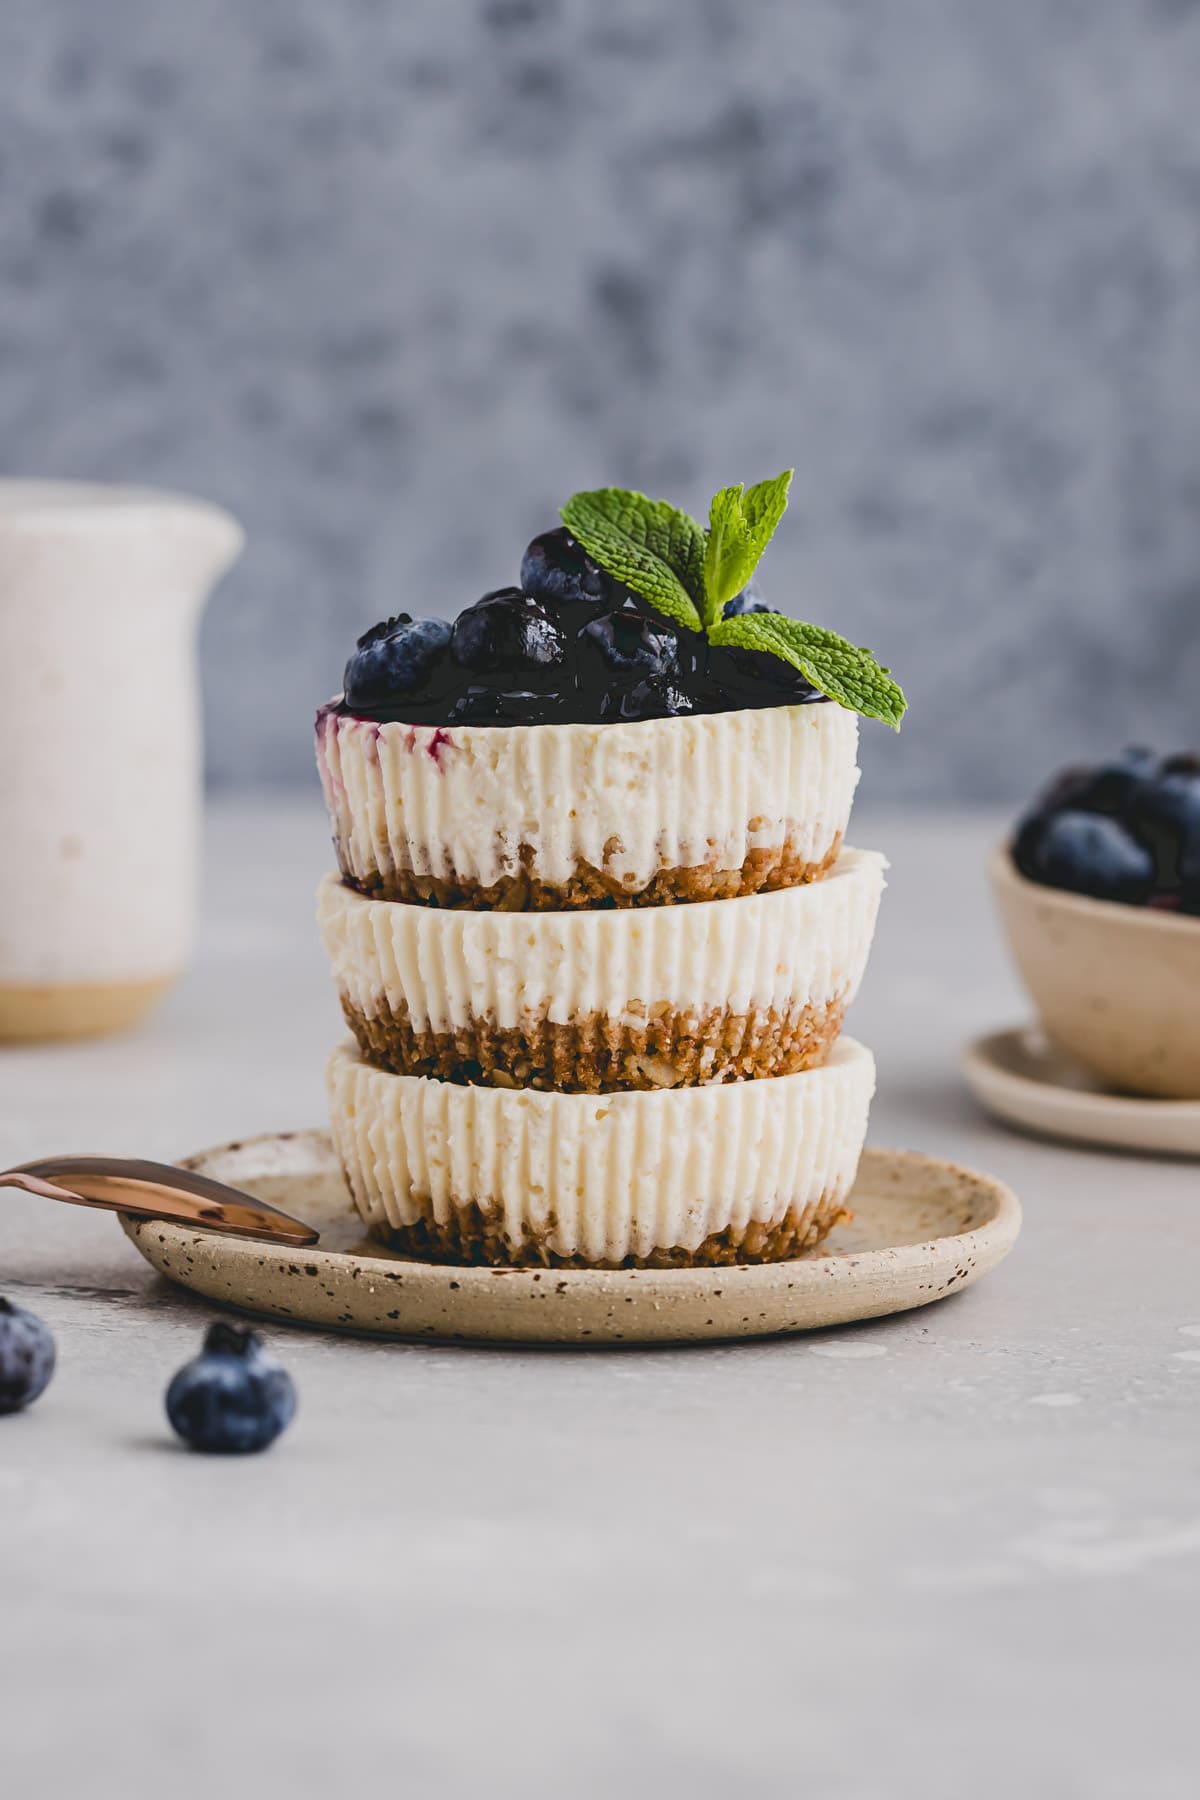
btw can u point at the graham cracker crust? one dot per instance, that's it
(763, 871)
(475, 1237)
(597, 1053)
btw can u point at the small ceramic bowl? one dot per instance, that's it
(1118, 987)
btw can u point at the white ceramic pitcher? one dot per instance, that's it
(101, 590)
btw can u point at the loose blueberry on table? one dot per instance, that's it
(629, 610)
(27, 1357)
(234, 1398)
(1126, 830)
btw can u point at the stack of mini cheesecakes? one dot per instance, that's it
(596, 974)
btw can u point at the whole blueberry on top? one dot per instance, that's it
(505, 632)
(394, 657)
(750, 600)
(633, 642)
(234, 1398)
(1089, 853)
(555, 567)
(27, 1357)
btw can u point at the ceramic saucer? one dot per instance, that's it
(921, 1229)
(1022, 1078)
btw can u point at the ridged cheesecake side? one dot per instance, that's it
(548, 817)
(590, 1001)
(747, 1172)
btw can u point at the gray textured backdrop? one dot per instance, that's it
(391, 277)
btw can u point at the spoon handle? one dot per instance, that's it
(151, 1190)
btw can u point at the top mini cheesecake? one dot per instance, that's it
(623, 729)
(548, 817)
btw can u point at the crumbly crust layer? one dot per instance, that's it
(472, 1237)
(763, 871)
(598, 1053)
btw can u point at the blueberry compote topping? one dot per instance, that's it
(570, 644)
(1127, 830)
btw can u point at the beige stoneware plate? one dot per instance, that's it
(1022, 1078)
(922, 1229)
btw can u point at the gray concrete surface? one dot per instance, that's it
(391, 279)
(953, 1553)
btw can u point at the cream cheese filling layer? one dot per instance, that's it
(443, 970)
(603, 1177)
(482, 804)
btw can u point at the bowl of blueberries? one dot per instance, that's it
(1099, 895)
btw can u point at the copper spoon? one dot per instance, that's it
(151, 1190)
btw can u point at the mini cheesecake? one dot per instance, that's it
(751, 1171)
(627, 813)
(592, 1001)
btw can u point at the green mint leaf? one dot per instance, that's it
(764, 505)
(834, 666)
(650, 546)
(741, 523)
(756, 631)
(729, 554)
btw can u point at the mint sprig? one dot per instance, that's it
(741, 523)
(832, 664)
(650, 546)
(690, 575)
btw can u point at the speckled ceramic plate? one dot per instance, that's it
(922, 1229)
(1023, 1079)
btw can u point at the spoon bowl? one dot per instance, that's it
(152, 1190)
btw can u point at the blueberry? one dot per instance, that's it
(1087, 853)
(657, 697)
(507, 631)
(555, 567)
(394, 657)
(234, 1397)
(750, 600)
(633, 642)
(1189, 866)
(1108, 788)
(1165, 816)
(26, 1357)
